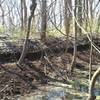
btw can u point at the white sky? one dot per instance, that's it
(16, 3)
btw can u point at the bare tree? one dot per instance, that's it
(91, 14)
(67, 16)
(90, 64)
(43, 20)
(92, 84)
(25, 46)
(80, 15)
(23, 15)
(98, 26)
(3, 19)
(73, 64)
(86, 13)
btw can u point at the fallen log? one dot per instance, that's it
(11, 51)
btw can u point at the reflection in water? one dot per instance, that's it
(97, 92)
(62, 94)
(54, 95)
(84, 88)
(58, 94)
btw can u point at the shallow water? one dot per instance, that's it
(52, 95)
(60, 94)
(84, 88)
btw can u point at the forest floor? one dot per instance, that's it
(49, 78)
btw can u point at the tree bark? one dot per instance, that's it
(3, 17)
(25, 46)
(43, 20)
(80, 15)
(92, 84)
(67, 16)
(87, 19)
(25, 15)
(22, 17)
(73, 64)
(90, 64)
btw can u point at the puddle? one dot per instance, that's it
(84, 88)
(54, 95)
(97, 92)
(58, 93)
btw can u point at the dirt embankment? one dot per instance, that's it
(11, 51)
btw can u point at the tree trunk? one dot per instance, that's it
(91, 15)
(92, 84)
(98, 27)
(2, 15)
(80, 16)
(73, 64)
(90, 64)
(43, 20)
(25, 15)
(67, 16)
(87, 19)
(22, 17)
(25, 46)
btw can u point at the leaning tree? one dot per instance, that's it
(25, 46)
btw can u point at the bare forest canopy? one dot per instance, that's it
(14, 17)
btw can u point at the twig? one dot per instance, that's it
(4, 88)
(56, 70)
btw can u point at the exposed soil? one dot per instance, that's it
(14, 81)
(11, 51)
